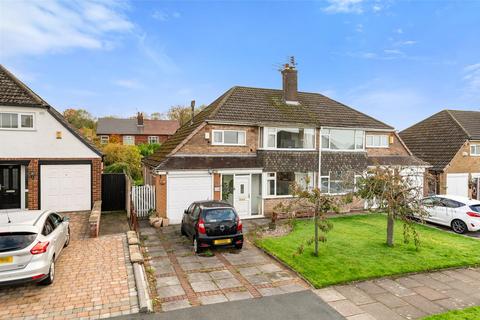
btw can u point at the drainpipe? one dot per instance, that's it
(319, 186)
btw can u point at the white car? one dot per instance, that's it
(459, 213)
(30, 243)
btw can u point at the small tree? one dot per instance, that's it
(123, 156)
(386, 189)
(312, 200)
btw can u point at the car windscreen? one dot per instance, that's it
(219, 215)
(11, 241)
(475, 207)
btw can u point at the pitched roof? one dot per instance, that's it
(469, 120)
(129, 126)
(14, 92)
(396, 160)
(259, 106)
(438, 138)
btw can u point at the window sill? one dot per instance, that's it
(337, 150)
(285, 149)
(17, 129)
(278, 197)
(228, 145)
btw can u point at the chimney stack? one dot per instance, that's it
(192, 105)
(140, 119)
(290, 83)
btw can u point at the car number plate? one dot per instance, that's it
(5, 260)
(222, 241)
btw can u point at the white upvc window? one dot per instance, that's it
(153, 139)
(17, 121)
(475, 150)
(336, 184)
(377, 141)
(229, 137)
(279, 184)
(129, 140)
(288, 138)
(343, 139)
(104, 139)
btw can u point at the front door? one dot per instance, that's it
(242, 195)
(9, 187)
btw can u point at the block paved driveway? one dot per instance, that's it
(184, 279)
(94, 279)
(410, 297)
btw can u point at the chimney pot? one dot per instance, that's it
(290, 84)
(192, 105)
(139, 119)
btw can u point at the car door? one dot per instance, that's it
(452, 210)
(62, 229)
(55, 236)
(430, 206)
(437, 211)
(193, 219)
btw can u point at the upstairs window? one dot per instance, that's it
(377, 141)
(129, 140)
(153, 139)
(229, 137)
(343, 140)
(288, 138)
(104, 139)
(21, 121)
(475, 150)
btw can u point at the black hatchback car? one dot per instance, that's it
(212, 223)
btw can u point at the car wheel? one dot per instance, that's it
(459, 226)
(196, 245)
(51, 274)
(183, 231)
(67, 240)
(239, 246)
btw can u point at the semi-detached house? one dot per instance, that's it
(251, 144)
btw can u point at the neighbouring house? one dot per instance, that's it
(450, 141)
(44, 162)
(250, 145)
(135, 131)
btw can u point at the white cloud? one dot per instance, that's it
(128, 83)
(162, 15)
(344, 6)
(472, 77)
(405, 43)
(399, 30)
(156, 54)
(38, 27)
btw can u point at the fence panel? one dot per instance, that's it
(143, 199)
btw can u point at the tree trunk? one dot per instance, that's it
(390, 224)
(316, 235)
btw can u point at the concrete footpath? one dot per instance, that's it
(303, 305)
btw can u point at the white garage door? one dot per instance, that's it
(457, 184)
(65, 187)
(182, 190)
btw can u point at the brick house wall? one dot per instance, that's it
(161, 195)
(139, 138)
(394, 149)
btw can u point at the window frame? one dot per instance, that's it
(272, 176)
(214, 143)
(157, 138)
(19, 120)
(323, 134)
(102, 139)
(355, 178)
(373, 145)
(477, 150)
(273, 131)
(128, 144)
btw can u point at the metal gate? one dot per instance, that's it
(113, 191)
(143, 199)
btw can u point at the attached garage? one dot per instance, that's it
(66, 187)
(183, 189)
(457, 184)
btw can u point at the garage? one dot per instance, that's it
(65, 187)
(457, 184)
(183, 189)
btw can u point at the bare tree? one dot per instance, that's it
(396, 191)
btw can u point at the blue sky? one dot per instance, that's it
(398, 61)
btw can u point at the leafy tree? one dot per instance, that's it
(394, 191)
(147, 149)
(182, 114)
(123, 155)
(156, 116)
(80, 118)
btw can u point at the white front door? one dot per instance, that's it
(457, 184)
(242, 195)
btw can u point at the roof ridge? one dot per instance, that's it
(26, 88)
(458, 122)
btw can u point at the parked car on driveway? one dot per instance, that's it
(30, 243)
(459, 213)
(212, 223)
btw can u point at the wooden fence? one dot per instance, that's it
(143, 199)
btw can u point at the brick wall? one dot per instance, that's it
(97, 168)
(161, 195)
(395, 149)
(199, 145)
(217, 186)
(32, 184)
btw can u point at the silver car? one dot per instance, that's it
(30, 243)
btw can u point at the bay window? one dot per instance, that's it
(288, 138)
(229, 137)
(343, 139)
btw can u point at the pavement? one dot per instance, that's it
(94, 278)
(185, 280)
(303, 305)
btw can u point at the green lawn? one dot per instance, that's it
(466, 314)
(356, 250)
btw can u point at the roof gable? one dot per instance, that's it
(14, 92)
(436, 139)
